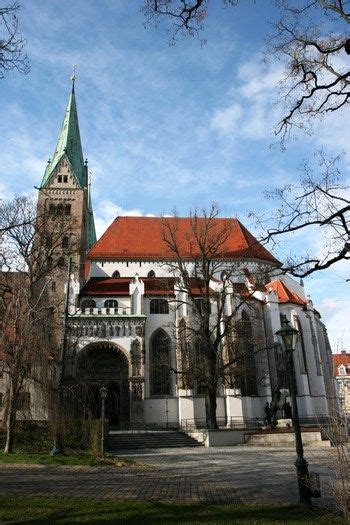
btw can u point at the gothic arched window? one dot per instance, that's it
(151, 273)
(111, 303)
(159, 306)
(184, 356)
(160, 363)
(116, 274)
(246, 362)
(300, 349)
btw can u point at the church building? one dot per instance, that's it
(127, 306)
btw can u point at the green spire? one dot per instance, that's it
(91, 232)
(69, 144)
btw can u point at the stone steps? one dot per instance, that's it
(285, 439)
(151, 439)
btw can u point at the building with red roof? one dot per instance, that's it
(341, 372)
(146, 283)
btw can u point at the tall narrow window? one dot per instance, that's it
(246, 363)
(159, 306)
(65, 242)
(67, 209)
(160, 363)
(300, 347)
(186, 379)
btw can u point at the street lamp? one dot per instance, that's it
(103, 394)
(288, 337)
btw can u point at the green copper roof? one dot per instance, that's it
(91, 232)
(69, 143)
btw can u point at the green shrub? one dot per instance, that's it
(37, 436)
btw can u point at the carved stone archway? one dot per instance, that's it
(104, 363)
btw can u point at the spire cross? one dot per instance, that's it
(73, 77)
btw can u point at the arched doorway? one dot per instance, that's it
(105, 364)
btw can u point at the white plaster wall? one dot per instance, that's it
(155, 411)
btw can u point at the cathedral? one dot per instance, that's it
(126, 306)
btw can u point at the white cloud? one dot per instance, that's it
(226, 120)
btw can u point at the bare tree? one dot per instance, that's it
(12, 43)
(216, 342)
(318, 206)
(32, 260)
(311, 38)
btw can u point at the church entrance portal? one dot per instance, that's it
(104, 364)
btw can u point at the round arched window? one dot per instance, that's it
(151, 273)
(88, 303)
(116, 274)
(111, 303)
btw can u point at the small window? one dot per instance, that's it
(59, 178)
(159, 306)
(23, 401)
(201, 303)
(1, 399)
(65, 178)
(151, 273)
(53, 286)
(60, 262)
(88, 303)
(65, 242)
(67, 209)
(116, 274)
(111, 303)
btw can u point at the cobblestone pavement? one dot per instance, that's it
(224, 475)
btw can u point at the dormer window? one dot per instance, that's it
(151, 273)
(59, 178)
(116, 274)
(65, 178)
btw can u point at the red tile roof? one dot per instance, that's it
(341, 359)
(106, 286)
(285, 295)
(143, 238)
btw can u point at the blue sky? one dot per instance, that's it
(162, 126)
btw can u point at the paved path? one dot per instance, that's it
(225, 475)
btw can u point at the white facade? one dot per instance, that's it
(132, 321)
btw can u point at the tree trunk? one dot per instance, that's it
(210, 408)
(10, 423)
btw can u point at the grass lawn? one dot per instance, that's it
(19, 509)
(71, 458)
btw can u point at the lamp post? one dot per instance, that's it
(103, 394)
(288, 337)
(167, 411)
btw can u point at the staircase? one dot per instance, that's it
(285, 438)
(133, 440)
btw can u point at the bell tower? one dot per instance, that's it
(65, 192)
